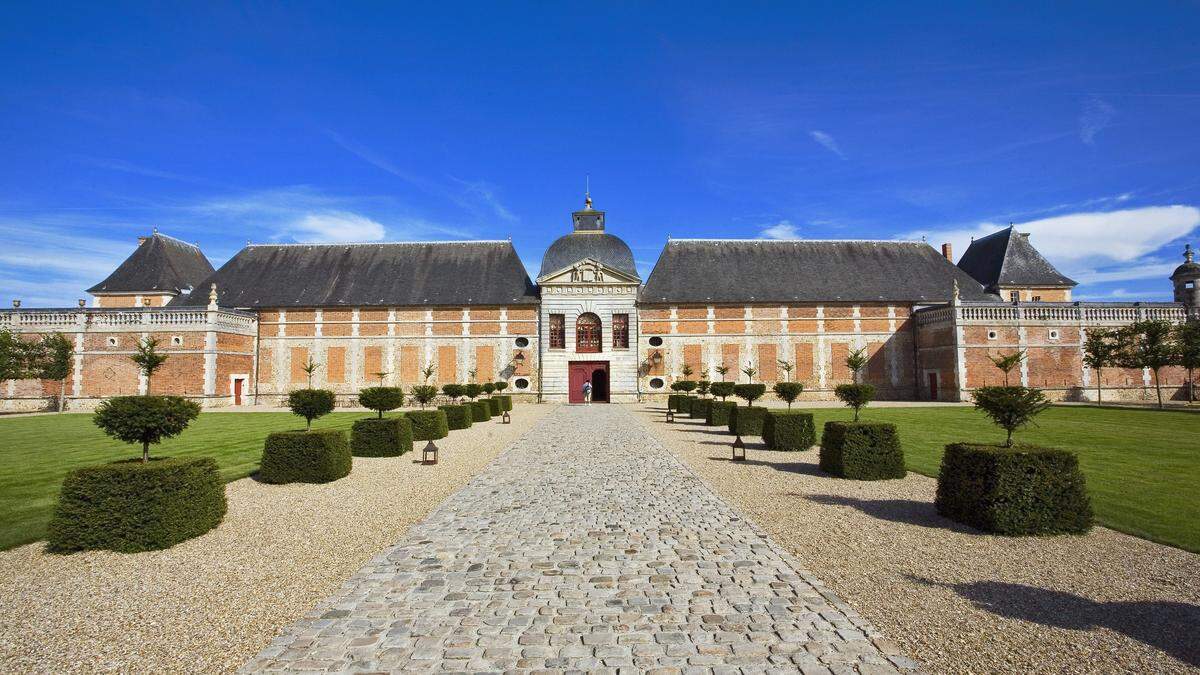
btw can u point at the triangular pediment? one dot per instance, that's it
(587, 271)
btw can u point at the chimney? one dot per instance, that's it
(948, 252)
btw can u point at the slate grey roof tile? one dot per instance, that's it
(1006, 258)
(159, 264)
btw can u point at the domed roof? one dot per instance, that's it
(1190, 269)
(602, 247)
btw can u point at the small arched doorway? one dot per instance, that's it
(600, 385)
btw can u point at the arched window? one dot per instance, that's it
(587, 333)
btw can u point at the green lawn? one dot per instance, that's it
(1142, 466)
(37, 452)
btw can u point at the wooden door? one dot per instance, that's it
(933, 386)
(237, 391)
(578, 373)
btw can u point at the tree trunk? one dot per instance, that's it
(145, 451)
(1158, 388)
(62, 393)
(1099, 398)
(1008, 440)
(1191, 385)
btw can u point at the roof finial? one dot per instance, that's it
(212, 297)
(1188, 256)
(587, 191)
(954, 293)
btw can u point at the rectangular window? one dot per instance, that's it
(1037, 298)
(558, 332)
(620, 330)
(1014, 296)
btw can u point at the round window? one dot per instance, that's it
(522, 342)
(655, 341)
(521, 383)
(656, 383)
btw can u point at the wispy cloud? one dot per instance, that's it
(827, 141)
(1097, 115)
(784, 229)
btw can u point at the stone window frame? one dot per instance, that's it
(1054, 334)
(558, 331)
(620, 331)
(993, 335)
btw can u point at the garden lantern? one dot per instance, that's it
(429, 455)
(738, 444)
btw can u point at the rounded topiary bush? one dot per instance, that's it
(305, 457)
(480, 411)
(493, 406)
(721, 390)
(311, 403)
(133, 506)
(862, 451)
(428, 425)
(700, 408)
(505, 401)
(719, 413)
(388, 437)
(789, 430)
(747, 420)
(1018, 490)
(457, 416)
(381, 399)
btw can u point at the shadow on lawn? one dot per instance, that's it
(1164, 625)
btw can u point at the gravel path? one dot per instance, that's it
(586, 546)
(209, 604)
(957, 600)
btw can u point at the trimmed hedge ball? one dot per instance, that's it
(305, 457)
(428, 425)
(1019, 490)
(493, 406)
(747, 420)
(387, 437)
(133, 506)
(457, 416)
(862, 451)
(505, 402)
(719, 413)
(480, 411)
(789, 430)
(700, 408)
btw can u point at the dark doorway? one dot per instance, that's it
(237, 391)
(600, 385)
(579, 372)
(933, 386)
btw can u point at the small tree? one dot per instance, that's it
(1010, 407)
(686, 386)
(424, 394)
(788, 391)
(686, 370)
(453, 391)
(856, 396)
(1007, 362)
(722, 370)
(381, 399)
(1149, 344)
(1187, 342)
(750, 392)
(786, 367)
(488, 387)
(311, 404)
(723, 389)
(750, 371)
(500, 386)
(148, 358)
(471, 374)
(380, 375)
(309, 368)
(55, 362)
(856, 361)
(702, 387)
(145, 419)
(12, 356)
(1101, 350)
(472, 390)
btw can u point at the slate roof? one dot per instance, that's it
(1006, 258)
(362, 275)
(159, 264)
(602, 247)
(749, 271)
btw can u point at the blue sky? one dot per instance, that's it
(362, 122)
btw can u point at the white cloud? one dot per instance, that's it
(784, 229)
(1097, 115)
(1083, 241)
(336, 226)
(828, 141)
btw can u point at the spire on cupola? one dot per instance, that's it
(589, 219)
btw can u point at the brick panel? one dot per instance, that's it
(768, 364)
(180, 375)
(447, 368)
(692, 313)
(727, 327)
(693, 327)
(299, 356)
(485, 315)
(875, 326)
(336, 329)
(366, 315)
(873, 311)
(804, 372)
(729, 312)
(807, 326)
(229, 342)
(485, 363)
(335, 365)
(372, 362)
(301, 316)
(265, 365)
(876, 363)
(411, 329)
(839, 373)
(522, 314)
(372, 329)
(410, 364)
(447, 314)
(802, 312)
(839, 312)
(485, 328)
(109, 375)
(522, 328)
(655, 327)
(447, 329)
(692, 358)
(765, 312)
(647, 314)
(301, 329)
(839, 326)
(730, 355)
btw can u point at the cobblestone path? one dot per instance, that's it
(585, 546)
